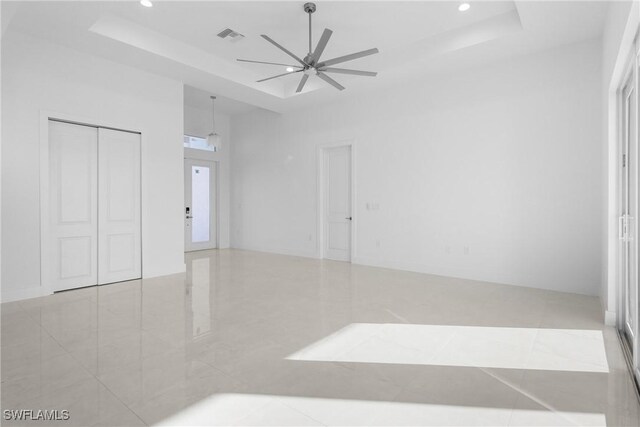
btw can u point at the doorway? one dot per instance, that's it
(93, 232)
(627, 166)
(336, 201)
(628, 208)
(200, 204)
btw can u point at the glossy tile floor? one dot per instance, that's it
(248, 338)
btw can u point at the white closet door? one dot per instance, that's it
(73, 201)
(119, 252)
(337, 203)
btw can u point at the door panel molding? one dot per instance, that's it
(79, 248)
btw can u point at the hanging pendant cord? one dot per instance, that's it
(213, 113)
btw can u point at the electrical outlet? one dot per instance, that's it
(378, 243)
(466, 250)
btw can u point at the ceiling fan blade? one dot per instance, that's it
(322, 43)
(279, 75)
(345, 71)
(302, 83)
(270, 40)
(268, 63)
(329, 80)
(350, 57)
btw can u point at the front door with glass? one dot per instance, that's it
(200, 205)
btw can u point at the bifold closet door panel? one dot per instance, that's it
(73, 206)
(119, 236)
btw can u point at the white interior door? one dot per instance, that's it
(200, 224)
(628, 208)
(628, 317)
(73, 205)
(628, 233)
(337, 203)
(119, 225)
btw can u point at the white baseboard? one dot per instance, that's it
(278, 251)
(424, 269)
(41, 291)
(404, 266)
(610, 318)
(177, 269)
(26, 293)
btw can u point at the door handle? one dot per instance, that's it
(349, 218)
(625, 228)
(621, 227)
(189, 217)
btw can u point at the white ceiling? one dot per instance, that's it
(178, 39)
(198, 98)
(356, 25)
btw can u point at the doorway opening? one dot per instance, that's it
(627, 254)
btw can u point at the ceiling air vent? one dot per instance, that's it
(230, 35)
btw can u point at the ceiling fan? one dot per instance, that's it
(311, 63)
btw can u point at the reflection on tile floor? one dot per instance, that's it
(248, 338)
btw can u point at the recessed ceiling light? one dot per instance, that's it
(146, 3)
(464, 7)
(289, 69)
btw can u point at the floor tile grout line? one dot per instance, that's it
(303, 413)
(528, 395)
(119, 399)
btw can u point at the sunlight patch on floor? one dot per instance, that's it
(251, 409)
(474, 346)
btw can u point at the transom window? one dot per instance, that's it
(198, 143)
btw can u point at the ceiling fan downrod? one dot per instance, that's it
(310, 8)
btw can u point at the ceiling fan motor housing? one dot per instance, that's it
(309, 7)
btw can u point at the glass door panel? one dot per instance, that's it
(200, 204)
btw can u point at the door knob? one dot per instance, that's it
(349, 218)
(189, 217)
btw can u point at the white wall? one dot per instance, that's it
(504, 160)
(36, 76)
(197, 122)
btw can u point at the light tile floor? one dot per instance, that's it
(248, 338)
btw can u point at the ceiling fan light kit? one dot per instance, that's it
(311, 64)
